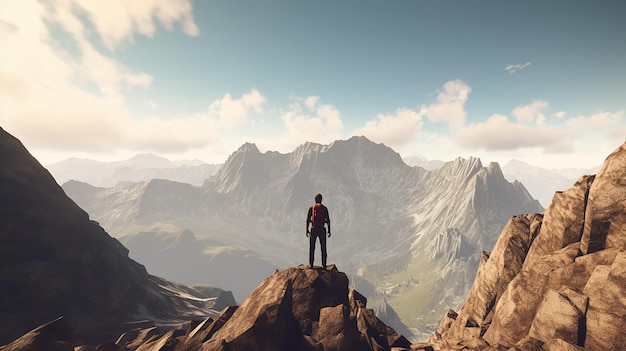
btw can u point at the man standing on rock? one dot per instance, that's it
(317, 216)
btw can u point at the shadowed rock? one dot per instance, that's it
(55, 262)
(52, 336)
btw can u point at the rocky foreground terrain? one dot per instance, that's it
(554, 281)
(295, 309)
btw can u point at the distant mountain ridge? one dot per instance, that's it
(138, 168)
(544, 183)
(400, 232)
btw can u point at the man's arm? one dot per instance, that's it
(308, 220)
(328, 221)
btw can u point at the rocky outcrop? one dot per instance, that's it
(553, 281)
(295, 309)
(299, 309)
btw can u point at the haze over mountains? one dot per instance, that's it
(139, 168)
(540, 182)
(410, 235)
(565, 264)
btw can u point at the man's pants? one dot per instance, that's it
(315, 233)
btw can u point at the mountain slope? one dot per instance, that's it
(393, 225)
(55, 262)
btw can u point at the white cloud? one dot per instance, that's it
(311, 101)
(511, 69)
(450, 104)
(526, 114)
(118, 20)
(559, 115)
(53, 98)
(598, 121)
(233, 112)
(331, 116)
(96, 124)
(541, 119)
(325, 125)
(153, 104)
(395, 130)
(498, 133)
(172, 135)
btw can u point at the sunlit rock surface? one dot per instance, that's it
(554, 281)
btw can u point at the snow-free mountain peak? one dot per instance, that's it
(148, 160)
(461, 167)
(360, 149)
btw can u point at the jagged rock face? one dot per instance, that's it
(55, 262)
(554, 281)
(295, 309)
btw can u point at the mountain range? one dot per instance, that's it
(406, 234)
(541, 183)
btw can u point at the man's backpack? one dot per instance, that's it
(319, 215)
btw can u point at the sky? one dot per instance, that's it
(543, 82)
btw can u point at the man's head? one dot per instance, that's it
(318, 198)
